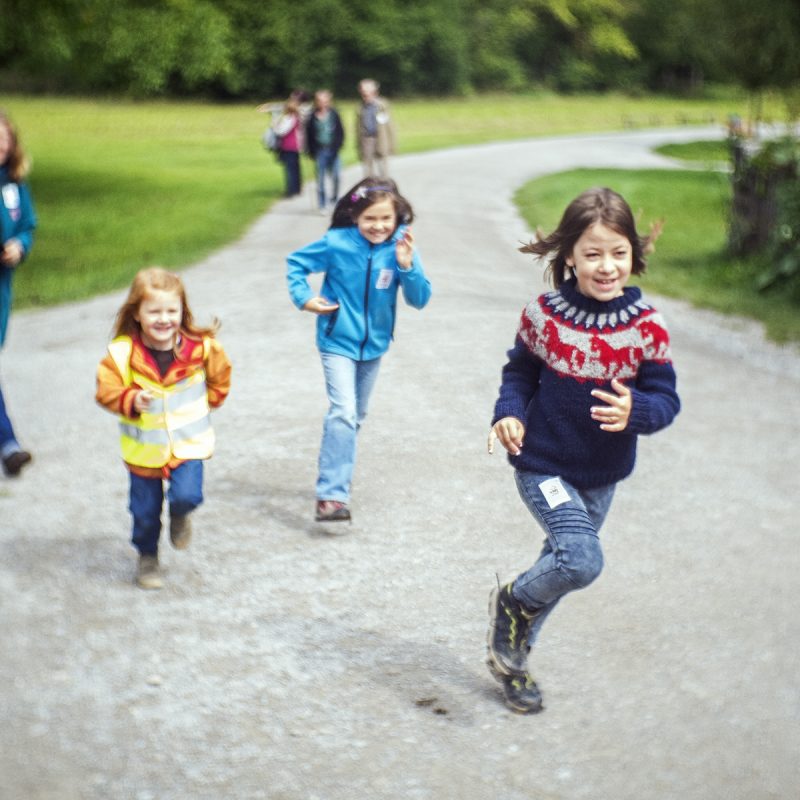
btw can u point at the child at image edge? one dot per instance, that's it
(161, 375)
(589, 371)
(367, 255)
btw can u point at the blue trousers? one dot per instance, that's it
(571, 557)
(327, 161)
(8, 442)
(349, 385)
(146, 499)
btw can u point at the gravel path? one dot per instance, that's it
(281, 662)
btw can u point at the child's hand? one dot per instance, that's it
(11, 254)
(404, 250)
(510, 431)
(142, 401)
(614, 416)
(319, 305)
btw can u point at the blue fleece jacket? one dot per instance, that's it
(17, 221)
(363, 278)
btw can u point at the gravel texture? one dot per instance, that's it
(286, 662)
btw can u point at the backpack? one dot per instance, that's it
(271, 140)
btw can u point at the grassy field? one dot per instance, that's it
(119, 184)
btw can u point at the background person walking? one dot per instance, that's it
(324, 140)
(589, 371)
(367, 255)
(375, 134)
(17, 223)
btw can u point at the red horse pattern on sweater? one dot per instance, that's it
(591, 346)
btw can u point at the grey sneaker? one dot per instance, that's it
(507, 637)
(180, 531)
(522, 694)
(148, 573)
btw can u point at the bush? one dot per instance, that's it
(765, 215)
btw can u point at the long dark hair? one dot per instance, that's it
(601, 205)
(366, 193)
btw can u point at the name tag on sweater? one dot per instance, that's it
(554, 492)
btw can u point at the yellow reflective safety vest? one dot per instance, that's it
(178, 422)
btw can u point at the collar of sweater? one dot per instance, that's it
(580, 311)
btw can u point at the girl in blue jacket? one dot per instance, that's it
(367, 255)
(17, 221)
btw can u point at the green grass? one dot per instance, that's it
(689, 260)
(119, 185)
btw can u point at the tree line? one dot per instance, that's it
(238, 49)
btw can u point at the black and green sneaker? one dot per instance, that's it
(522, 694)
(506, 640)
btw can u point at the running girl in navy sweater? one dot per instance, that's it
(589, 371)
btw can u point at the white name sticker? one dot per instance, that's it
(554, 492)
(385, 278)
(11, 196)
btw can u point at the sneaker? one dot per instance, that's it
(522, 694)
(332, 511)
(180, 531)
(507, 637)
(148, 573)
(14, 462)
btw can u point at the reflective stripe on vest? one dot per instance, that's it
(177, 424)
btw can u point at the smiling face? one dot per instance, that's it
(159, 315)
(602, 260)
(376, 223)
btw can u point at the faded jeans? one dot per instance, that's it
(571, 557)
(349, 384)
(327, 162)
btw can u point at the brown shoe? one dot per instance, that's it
(14, 462)
(180, 531)
(332, 511)
(148, 573)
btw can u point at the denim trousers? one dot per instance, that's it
(349, 384)
(327, 162)
(291, 169)
(184, 494)
(571, 557)
(8, 442)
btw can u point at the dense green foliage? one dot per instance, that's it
(766, 210)
(252, 48)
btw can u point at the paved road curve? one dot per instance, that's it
(283, 663)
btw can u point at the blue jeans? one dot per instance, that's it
(571, 557)
(349, 385)
(8, 442)
(291, 168)
(185, 493)
(327, 161)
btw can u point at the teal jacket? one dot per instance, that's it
(363, 279)
(17, 221)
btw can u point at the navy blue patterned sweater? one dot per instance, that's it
(566, 346)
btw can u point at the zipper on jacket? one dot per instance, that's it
(366, 301)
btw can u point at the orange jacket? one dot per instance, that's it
(116, 393)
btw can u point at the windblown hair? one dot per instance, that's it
(601, 205)
(17, 162)
(365, 194)
(147, 281)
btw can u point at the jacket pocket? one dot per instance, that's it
(330, 323)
